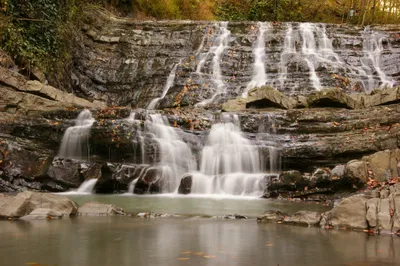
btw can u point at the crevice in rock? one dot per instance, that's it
(263, 103)
(329, 103)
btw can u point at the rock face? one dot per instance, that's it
(351, 212)
(26, 202)
(141, 55)
(384, 164)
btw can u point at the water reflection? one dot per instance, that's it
(131, 241)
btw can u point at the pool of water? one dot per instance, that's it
(195, 241)
(198, 204)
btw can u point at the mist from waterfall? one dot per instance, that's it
(75, 142)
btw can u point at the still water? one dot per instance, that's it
(119, 241)
(193, 238)
(203, 205)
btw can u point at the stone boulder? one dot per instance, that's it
(356, 169)
(334, 97)
(350, 212)
(383, 213)
(66, 171)
(376, 97)
(99, 209)
(308, 218)
(384, 164)
(26, 202)
(117, 177)
(42, 214)
(263, 97)
(185, 186)
(272, 217)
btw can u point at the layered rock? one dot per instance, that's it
(26, 202)
(127, 62)
(363, 212)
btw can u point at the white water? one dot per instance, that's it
(87, 186)
(138, 140)
(217, 50)
(230, 163)
(75, 142)
(289, 49)
(170, 82)
(174, 156)
(372, 49)
(259, 76)
(309, 50)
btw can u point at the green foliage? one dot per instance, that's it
(38, 33)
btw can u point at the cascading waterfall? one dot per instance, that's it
(170, 82)
(174, 156)
(230, 163)
(138, 141)
(259, 75)
(87, 186)
(309, 50)
(289, 49)
(372, 49)
(75, 142)
(217, 50)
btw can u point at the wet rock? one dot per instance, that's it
(308, 218)
(185, 186)
(149, 215)
(356, 169)
(92, 172)
(43, 214)
(66, 171)
(272, 217)
(25, 202)
(99, 209)
(117, 177)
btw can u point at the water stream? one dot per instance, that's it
(259, 75)
(75, 141)
(221, 43)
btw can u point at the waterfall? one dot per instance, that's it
(259, 76)
(138, 141)
(289, 49)
(227, 151)
(217, 50)
(309, 50)
(230, 163)
(87, 186)
(170, 82)
(75, 142)
(372, 49)
(174, 156)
